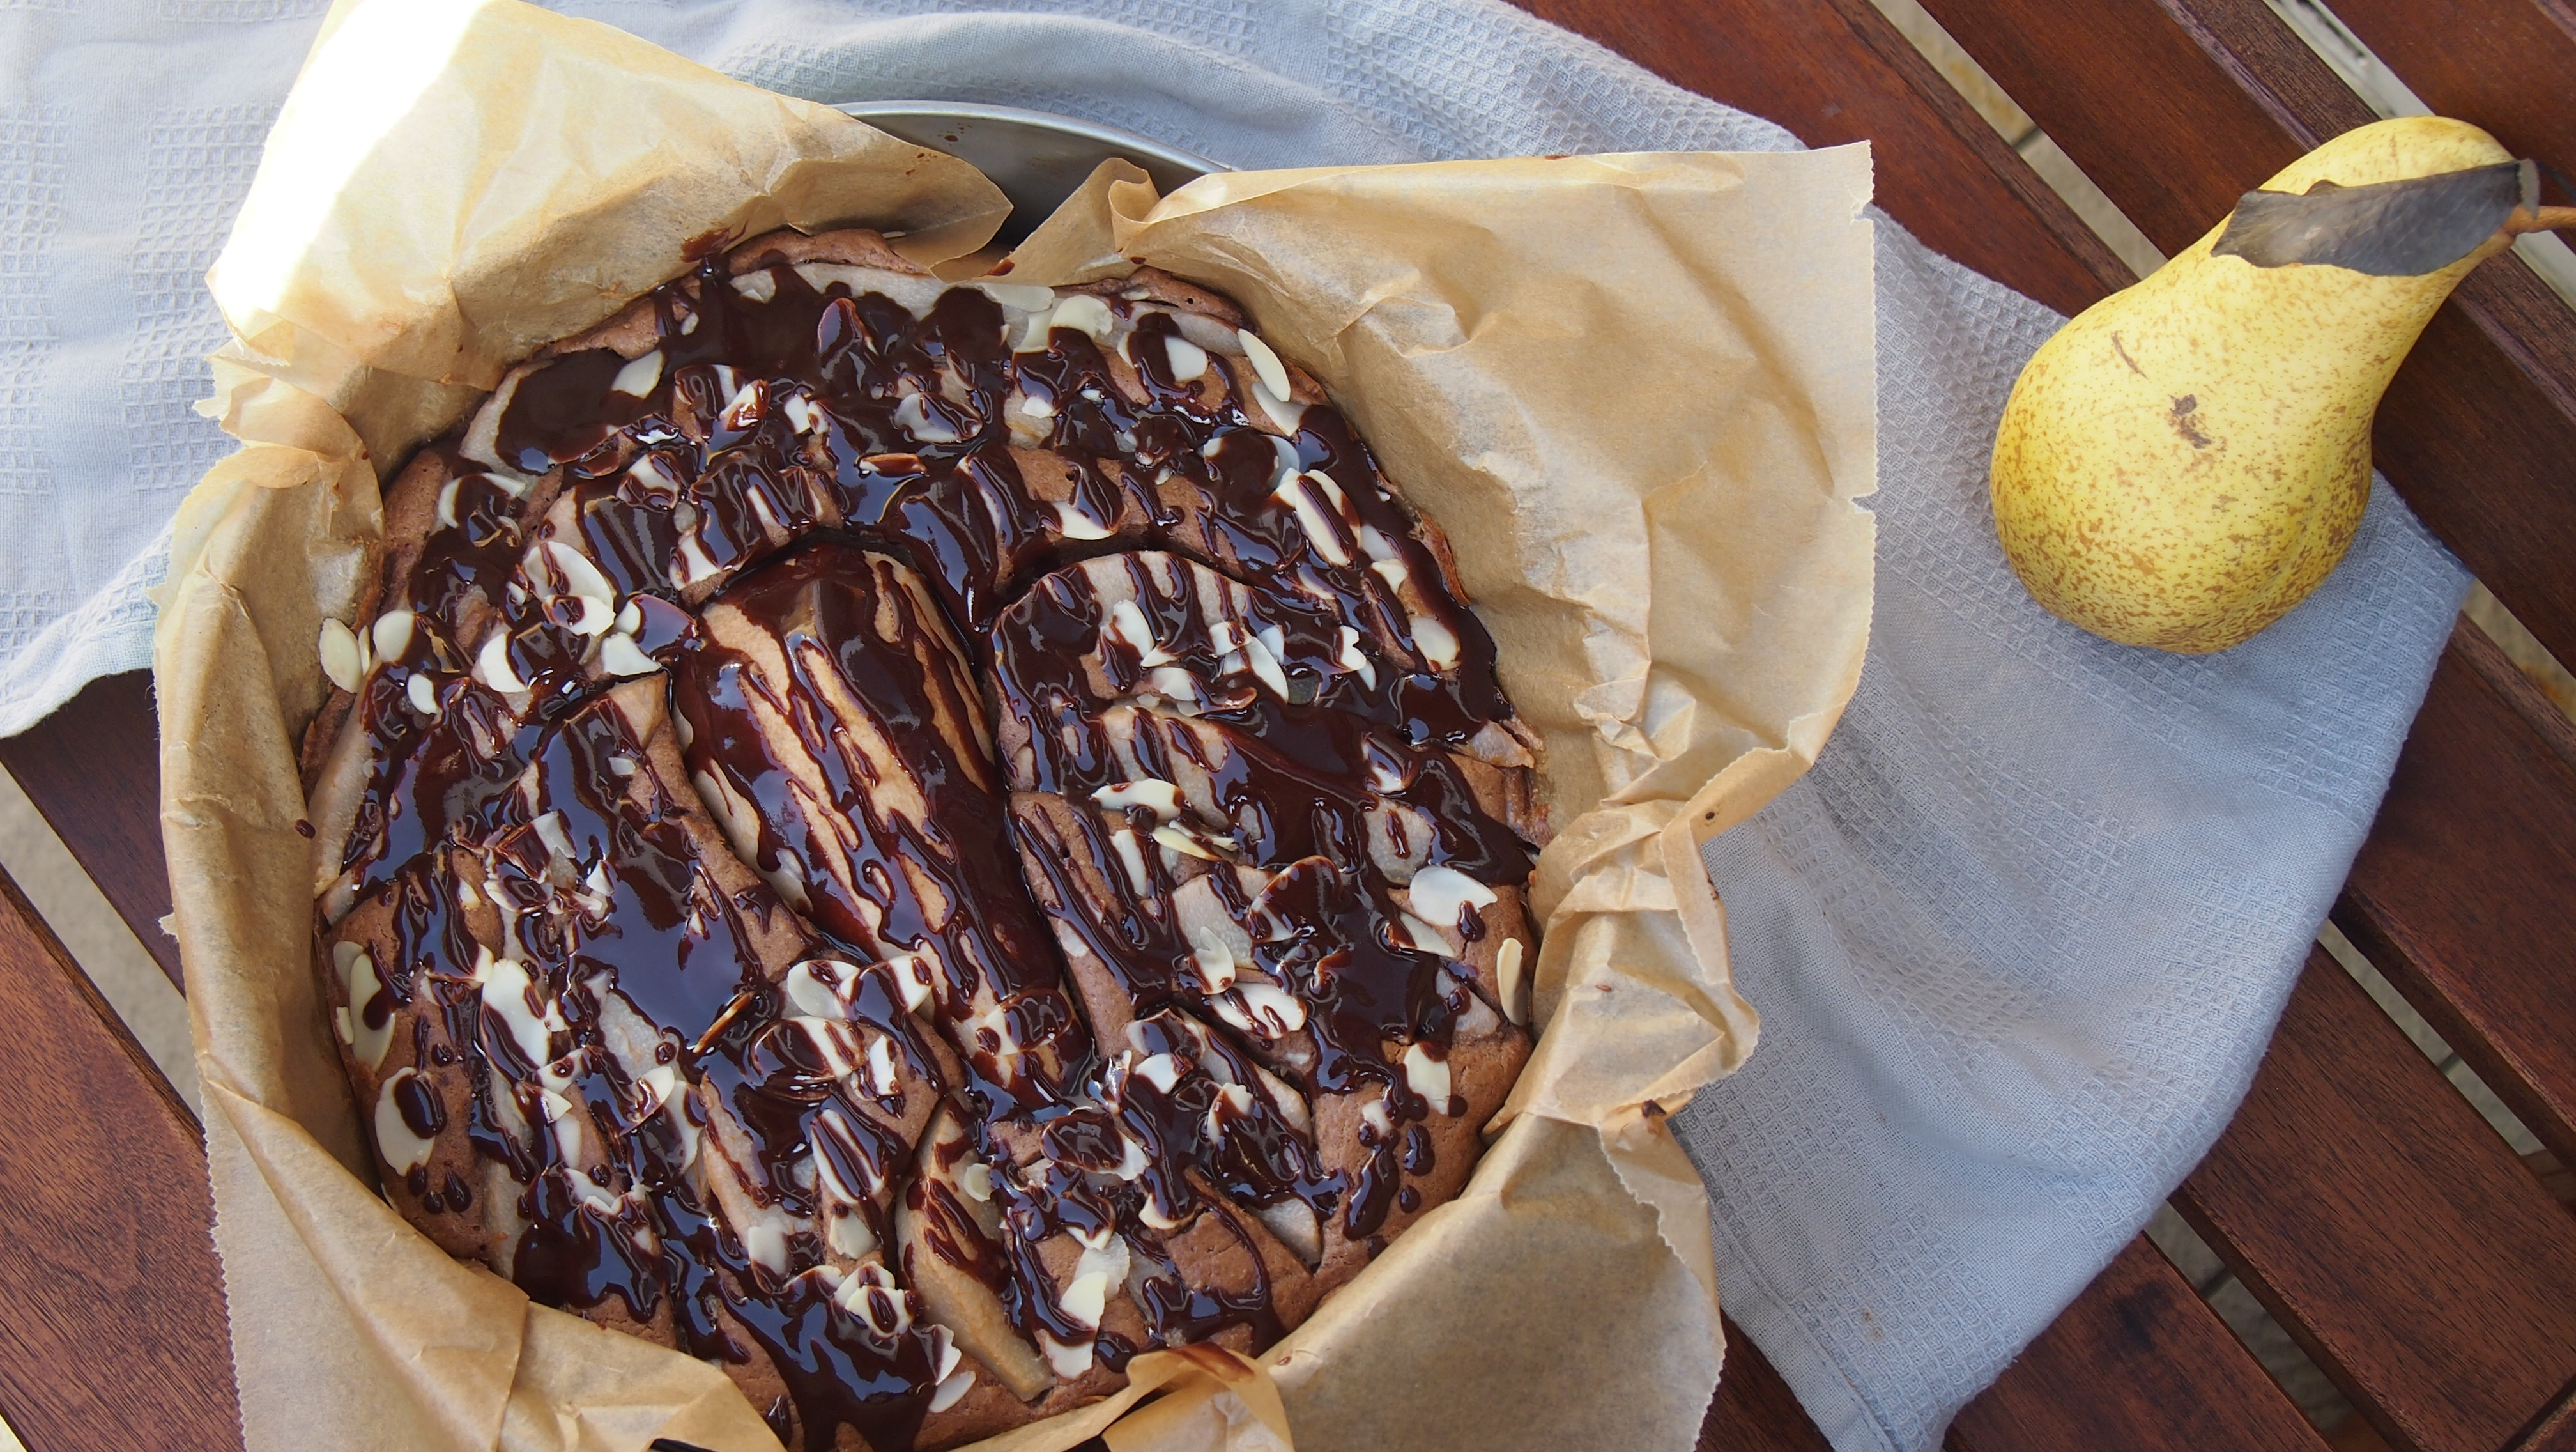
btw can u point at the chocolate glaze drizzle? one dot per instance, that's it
(625, 925)
(869, 694)
(801, 529)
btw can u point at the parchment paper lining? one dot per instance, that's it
(1634, 390)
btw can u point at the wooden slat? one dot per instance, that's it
(93, 769)
(2460, 896)
(2175, 107)
(2140, 1362)
(2502, 64)
(2375, 1214)
(1833, 71)
(1755, 1411)
(112, 1326)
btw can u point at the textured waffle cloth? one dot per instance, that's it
(2018, 938)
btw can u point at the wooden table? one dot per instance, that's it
(2420, 1262)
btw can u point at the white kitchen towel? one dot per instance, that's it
(2018, 938)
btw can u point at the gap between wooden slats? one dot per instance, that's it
(112, 1329)
(2368, 1206)
(2177, 108)
(93, 770)
(2553, 1430)
(2459, 896)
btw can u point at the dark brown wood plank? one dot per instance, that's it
(1836, 71)
(2140, 1362)
(93, 769)
(1754, 1410)
(2501, 64)
(2176, 107)
(112, 1329)
(2189, 136)
(2376, 1215)
(2460, 895)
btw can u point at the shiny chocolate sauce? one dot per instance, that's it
(617, 928)
(853, 732)
(780, 583)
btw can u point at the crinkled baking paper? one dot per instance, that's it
(1636, 391)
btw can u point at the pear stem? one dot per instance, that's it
(2539, 219)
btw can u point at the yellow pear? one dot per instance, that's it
(2185, 461)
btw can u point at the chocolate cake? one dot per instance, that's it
(917, 841)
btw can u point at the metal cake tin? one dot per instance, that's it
(1036, 159)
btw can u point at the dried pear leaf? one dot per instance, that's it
(2386, 229)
